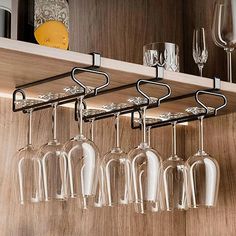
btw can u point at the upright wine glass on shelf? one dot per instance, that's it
(200, 52)
(204, 172)
(83, 163)
(146, 164)
(224, 30)
(29, 168)
(54, 163)
(175, 173)
(116, 167)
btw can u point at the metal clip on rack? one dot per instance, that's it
(188, 118)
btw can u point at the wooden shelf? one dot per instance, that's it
(24, 62)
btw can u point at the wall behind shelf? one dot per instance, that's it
(65, 219)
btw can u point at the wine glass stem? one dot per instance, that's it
(92, 129)
(201, 134)
(80, 117)
(54, 122)
(143, 116)
(29, 127)
(229, 65)
(200, 67)
(174, 150)
(117, 127)
(149, 135)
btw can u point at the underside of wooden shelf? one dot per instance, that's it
(23, 63)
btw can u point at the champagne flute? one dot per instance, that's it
(200, 52)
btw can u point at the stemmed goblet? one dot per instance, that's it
(29, 168)
(203, 170)
(146, 166)
(224, 30)
(99, 200)
(116, 167)
(54, 163)
(83, 162)
(200, 52)
(174, 173)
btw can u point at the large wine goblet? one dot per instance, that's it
(175, 173)
(224, 29)
(116, 167)
(54, 163)
(83, 163)
(203, 170)
(146, 167)
(29, 168)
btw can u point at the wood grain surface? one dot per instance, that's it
(66, 218)
(219, 142)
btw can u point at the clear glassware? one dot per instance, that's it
(51, 23)
(148, 120)
(203, 170)
(116, 167)
(161, 54)
(146, 167)
(29, 169)
(83, 164)
(224, 30)
(200, 52)
(175, 174)
(99, 200)
(54, 163)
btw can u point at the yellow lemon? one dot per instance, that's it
(52, 34)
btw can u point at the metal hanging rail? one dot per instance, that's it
(103, 89)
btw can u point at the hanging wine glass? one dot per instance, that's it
(54, 163)
(146, 164)
(174, 173)
(99, 200)
(83, 163)
(29, 168)
(200, 52)
(204, 172)
(224, 30)
(116, 167)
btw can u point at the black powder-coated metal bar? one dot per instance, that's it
(178, 120)
(50, 79)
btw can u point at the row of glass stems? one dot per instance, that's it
(75, 170)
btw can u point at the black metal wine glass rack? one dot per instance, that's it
(104, 89)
